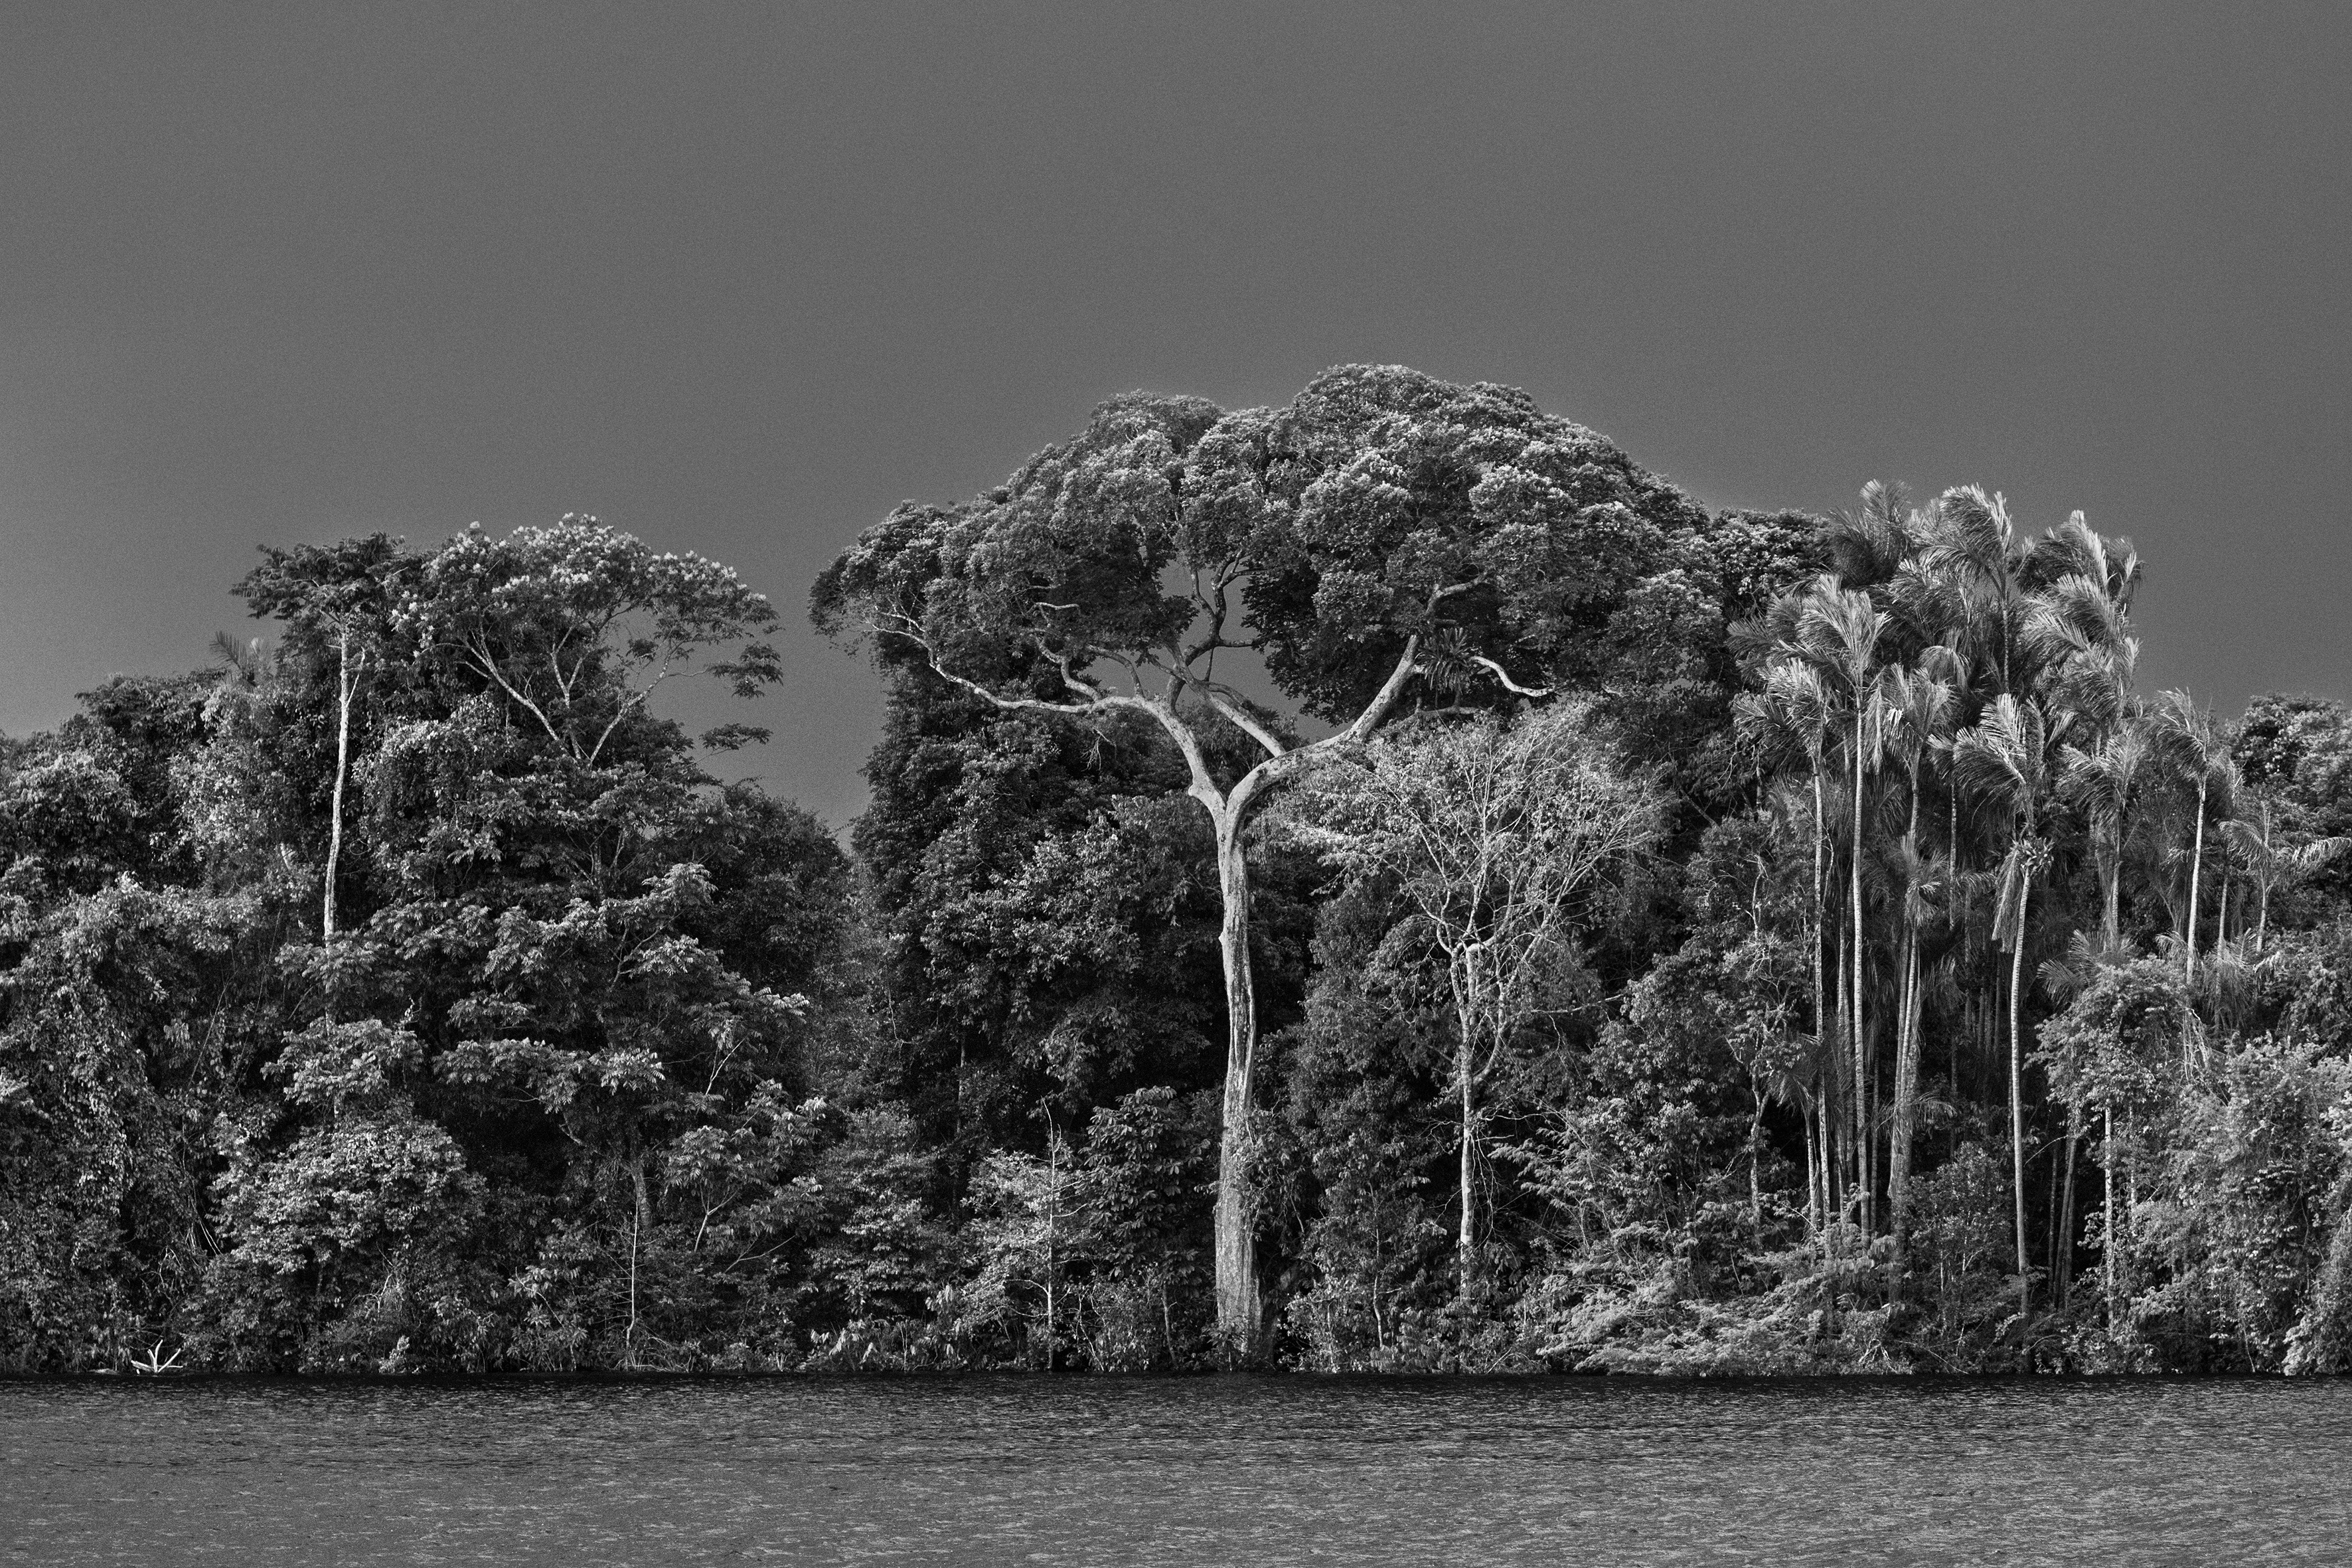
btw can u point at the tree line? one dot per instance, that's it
(1384, 882)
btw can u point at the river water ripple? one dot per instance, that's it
(1206, 1470)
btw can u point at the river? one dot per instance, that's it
(1205, 1471)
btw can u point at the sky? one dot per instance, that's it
(738, 278)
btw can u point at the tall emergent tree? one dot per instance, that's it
(559, 961)
(1499, 840)
(1382, 526)
(335, 600)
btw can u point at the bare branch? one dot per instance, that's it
(634, 699)
(1227, 702)
(1034, 704)
(1510, 685)
(477, 654)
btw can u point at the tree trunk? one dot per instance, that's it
(2196, 864)
(1901, 1123)
(2050, 1237)
(2263, 887)
(1239, 1307)
(640, 1218)
(1466, 1245)
(1812, 1175)
(1862, 1075)
(2017, 1098)
(1053, 1238)
(346, 685)
(2108, 1160)
(1829, 1155)
(1821, 917)
(1240, 1302)
(2063, 1252)
(1872, 1097)
(1755, 1162)
(1906, 1092)
(2111, 925)
(1842, 1075)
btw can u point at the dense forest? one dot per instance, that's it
(1382, 883)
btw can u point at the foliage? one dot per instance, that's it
(1383, 882)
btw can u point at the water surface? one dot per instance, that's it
(1209, 1470)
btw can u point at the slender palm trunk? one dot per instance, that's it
(2111, 871)
(1862, 1075)
(1820, 913)
(2263, 887)
(1822, 1114)
(1906, 1091)
(2062, 1249)
(1832, 1174)
(1901, 1124)
(2196, 864)
(1873, 1164)
(2112, 923)
(1842, 1070)
(2017, 1095)
(1813, 1205)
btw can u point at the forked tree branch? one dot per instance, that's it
(1500, 674)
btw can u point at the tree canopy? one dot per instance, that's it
(1383, 882)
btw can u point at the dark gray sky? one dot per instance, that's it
(738, 279)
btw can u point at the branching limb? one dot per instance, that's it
(907, 627)
(1032, 704)
(635, 699)
(1510, 685)
(477, 654)
(1075, 681)
(1227, 702)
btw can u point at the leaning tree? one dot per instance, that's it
(1386, 538)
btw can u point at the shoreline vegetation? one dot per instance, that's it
(1383, 884)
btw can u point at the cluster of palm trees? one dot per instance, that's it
(1952, 704)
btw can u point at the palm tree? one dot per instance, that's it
(2005, 761)
(2274, 863)
(1870, 546)
(2184, 736)
(2089, 580)
(2078, 627)
(243, 665)
(2104, 783)
(1843, 629)
(1791, 714)
(1973, 566)
(1915, 712)
(1969, 587)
